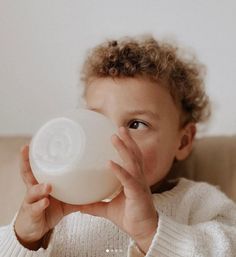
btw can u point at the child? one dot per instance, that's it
(156, 98)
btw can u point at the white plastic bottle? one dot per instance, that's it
(71, 153)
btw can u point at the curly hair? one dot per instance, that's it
(158, 61)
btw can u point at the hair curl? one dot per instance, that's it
(157, 61)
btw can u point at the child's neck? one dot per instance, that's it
(163, 185)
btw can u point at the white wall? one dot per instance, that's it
(42, 45)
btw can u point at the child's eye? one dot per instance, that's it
(136, 124)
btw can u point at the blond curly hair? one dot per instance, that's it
(158, 61)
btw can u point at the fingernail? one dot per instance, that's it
(109, 164)
(46, 187)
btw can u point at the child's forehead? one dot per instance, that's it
(130, 95)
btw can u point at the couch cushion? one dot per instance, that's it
(12, 188)
(213, 160)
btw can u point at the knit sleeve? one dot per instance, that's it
(11, 247)
(209, 239)
(209, 232)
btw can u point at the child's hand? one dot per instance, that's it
(132, 210)
(39, 212)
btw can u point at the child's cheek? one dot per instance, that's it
(150, 159)
(156, 162)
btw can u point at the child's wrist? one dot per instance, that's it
(144, 245)
(144, 242)
(35, 245)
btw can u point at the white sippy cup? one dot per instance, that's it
(71, 153)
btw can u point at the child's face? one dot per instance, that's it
(148, 111)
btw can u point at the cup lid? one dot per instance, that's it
(57, 144)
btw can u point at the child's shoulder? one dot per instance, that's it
(194, 192)
(198, 194)
(199, 201)
(197, 188)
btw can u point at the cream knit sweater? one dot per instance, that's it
(195, 219)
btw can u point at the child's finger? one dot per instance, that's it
(133, 188)
(25, 169)
(126, 155)
(124, 177)
(37, 192)
(24, 152)
(130, 143)
(38, 207)
(26, 174)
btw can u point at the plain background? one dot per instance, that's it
(43, 43)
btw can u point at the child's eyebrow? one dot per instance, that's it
(150, 113)
(144, 112)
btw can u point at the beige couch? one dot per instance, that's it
(213, 160)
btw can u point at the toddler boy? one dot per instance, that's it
(155, 97)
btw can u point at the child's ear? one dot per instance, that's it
(186, 141)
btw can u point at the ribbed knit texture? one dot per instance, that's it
(195, 220)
